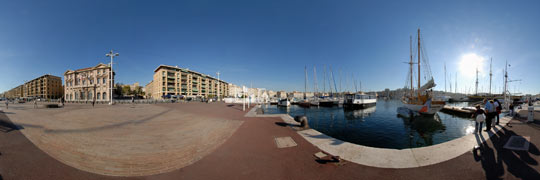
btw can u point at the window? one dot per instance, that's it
(104, 81)
(105, 96)
(98, 97)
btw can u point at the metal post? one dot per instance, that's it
(112, 55)
(218, 86)
(243, 98)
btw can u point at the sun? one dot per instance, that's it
(469, 63)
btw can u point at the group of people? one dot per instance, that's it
(490, 114)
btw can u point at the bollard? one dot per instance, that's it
(530, 117)
(302, 120)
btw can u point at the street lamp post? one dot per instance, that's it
(218, 86)
(112, 55)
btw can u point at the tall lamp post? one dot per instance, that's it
(112, 55)
(218, 87)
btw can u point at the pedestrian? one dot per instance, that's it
(7, 103)
(511, 107)
(480, 116)
(62, 100)
(132, 100)
(498, 110)
(490, 110)
(35, 103)
(93, 102)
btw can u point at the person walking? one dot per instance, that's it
(489, 109)
(35, 103)
(7, 104)
(498, 109)
(480, 116)
(511, 107)
(62, 100)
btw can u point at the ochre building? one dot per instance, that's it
(172, 81)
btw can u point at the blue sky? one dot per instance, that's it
(268, 43)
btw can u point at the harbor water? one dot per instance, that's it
(379, 126)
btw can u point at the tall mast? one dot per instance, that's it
(455, 87)
(476, 89)
(490, 74)
(340, 90)
(315, 80)
(305, 82)
(411, 65)
(418, 62)
(445, 77)
(324, 80)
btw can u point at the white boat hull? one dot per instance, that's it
(284, 103)
(416, 108)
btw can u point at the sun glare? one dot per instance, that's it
(469, 63)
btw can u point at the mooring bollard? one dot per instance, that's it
(302, 120)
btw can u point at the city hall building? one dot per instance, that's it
(88, 84)
(171, 81)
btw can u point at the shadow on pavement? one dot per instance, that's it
(6, 125)
(518, 163)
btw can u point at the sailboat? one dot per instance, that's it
(304, 102)
(420, 101)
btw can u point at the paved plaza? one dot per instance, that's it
(210, 141)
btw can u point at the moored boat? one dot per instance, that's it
(421, 100)
(284, 103)
(359, 101)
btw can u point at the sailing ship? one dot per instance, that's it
(421, 100)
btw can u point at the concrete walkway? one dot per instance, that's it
(251, 153)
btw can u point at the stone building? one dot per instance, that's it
(16, 92)
(46, 86)
(172, 81)
(88, 84)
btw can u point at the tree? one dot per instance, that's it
(126, 90)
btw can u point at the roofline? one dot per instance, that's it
(185, 69)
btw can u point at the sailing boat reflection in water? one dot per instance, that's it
(421, 129)
(358, 114)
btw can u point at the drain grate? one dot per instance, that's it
(518, 143)
(284, 142)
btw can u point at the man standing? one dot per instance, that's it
(35, 103)
(7, 103)
(498, 109)
(62, 100)
(489, 109)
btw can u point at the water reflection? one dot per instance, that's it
(425, 127)
(379, 126)
(359, 113)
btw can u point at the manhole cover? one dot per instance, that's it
(518, 143)
(285, 142)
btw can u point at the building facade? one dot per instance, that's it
(171, 81)
(46, 86)
(88, 84)
(16, 92)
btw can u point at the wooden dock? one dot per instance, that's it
(459, 111)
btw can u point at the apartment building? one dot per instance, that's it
(88, 84)
(171, 81)
(16, 92)
(46, 86)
